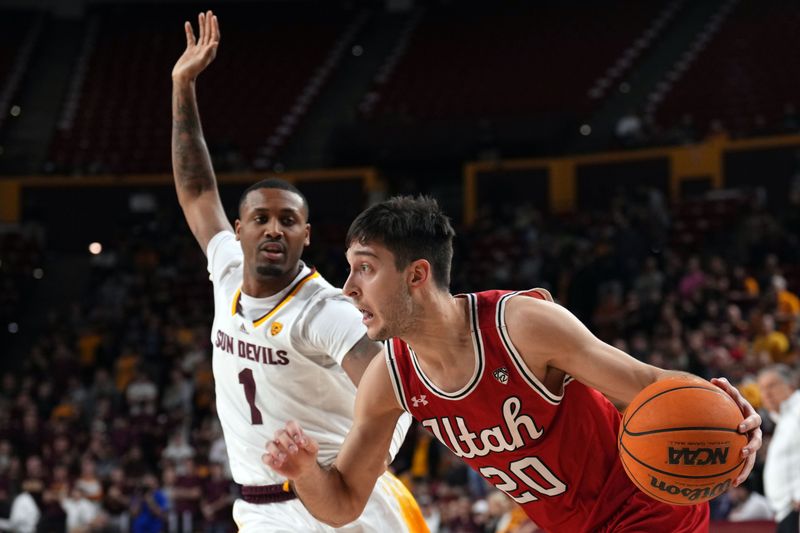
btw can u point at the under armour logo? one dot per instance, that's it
(501, 375)
(419, 401)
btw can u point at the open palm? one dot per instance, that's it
(199, 52)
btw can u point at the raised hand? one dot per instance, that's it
(750, 426)
(291, 453)
(199, 52)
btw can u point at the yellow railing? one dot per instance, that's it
(686, 163)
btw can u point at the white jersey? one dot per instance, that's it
(278, 359)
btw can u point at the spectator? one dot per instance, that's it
(748, 505)
(88, 482)
(186, 495)
(771, 342)
(24, 516)
(141, 395)
(115, 502)
(178, 451)
(83, 515)
(781, 480)
(217, 500)
(787, 306)
(148, 507)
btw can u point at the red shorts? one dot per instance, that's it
(643, 514)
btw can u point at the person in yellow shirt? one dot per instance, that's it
(788, 306)
(771, 341)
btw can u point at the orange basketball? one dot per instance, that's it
(679, 442)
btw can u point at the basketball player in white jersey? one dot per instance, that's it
(287, 344)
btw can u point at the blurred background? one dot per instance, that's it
(641, 160)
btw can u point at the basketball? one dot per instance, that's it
(679, 442)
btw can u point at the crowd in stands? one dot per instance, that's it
(108, 422)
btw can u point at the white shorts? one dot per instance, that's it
(391, 507)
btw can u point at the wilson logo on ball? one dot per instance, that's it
(690, 494)
(699, 456)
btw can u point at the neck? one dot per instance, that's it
(442, 330)
(258, 286)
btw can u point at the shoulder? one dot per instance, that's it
(376, 386)
(322, 297)
(223, 240)
(551, 325)
(522, 307)
(224, 255)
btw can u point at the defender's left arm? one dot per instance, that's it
(357, 359)
(548, 336)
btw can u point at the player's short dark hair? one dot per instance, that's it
(274, 183)
(411, 228)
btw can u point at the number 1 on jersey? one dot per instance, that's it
(249, 384)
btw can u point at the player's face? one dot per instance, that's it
(379, 291)
(273, 232)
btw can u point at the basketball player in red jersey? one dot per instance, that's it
(509, 381)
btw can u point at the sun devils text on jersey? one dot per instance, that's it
(554, 453)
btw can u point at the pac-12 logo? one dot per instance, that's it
(275, 328)
(698, 456)
(501, 375)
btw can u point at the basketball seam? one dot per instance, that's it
(627, 419)
(686, 428)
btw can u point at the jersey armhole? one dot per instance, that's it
(394, 374)
(516, 357)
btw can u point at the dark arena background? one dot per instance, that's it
(640, 159)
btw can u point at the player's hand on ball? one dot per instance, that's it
(750, 426)
(199, 52)
(291, 452)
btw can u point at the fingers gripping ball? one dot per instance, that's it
(679, 443)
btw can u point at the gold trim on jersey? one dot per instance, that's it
(292, 292)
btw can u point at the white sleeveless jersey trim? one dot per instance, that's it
(477, 346)
(394, 374)
(516, 358)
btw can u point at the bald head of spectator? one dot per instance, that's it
(776, 383)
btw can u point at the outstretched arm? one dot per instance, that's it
(337, 495)
(559, 340)
(191, 162)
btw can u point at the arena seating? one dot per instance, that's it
(17, 37)
(738, 74)
(697, 219)
(272, 62)
(515, 59)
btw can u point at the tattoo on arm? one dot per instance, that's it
(191, 161)
(359, 357)
(364, 350)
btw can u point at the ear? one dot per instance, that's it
(307, 240)
(419, 273)
(237, 226)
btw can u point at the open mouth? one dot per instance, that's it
(273, 251)
(366, 316)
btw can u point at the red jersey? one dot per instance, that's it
(554, 454)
